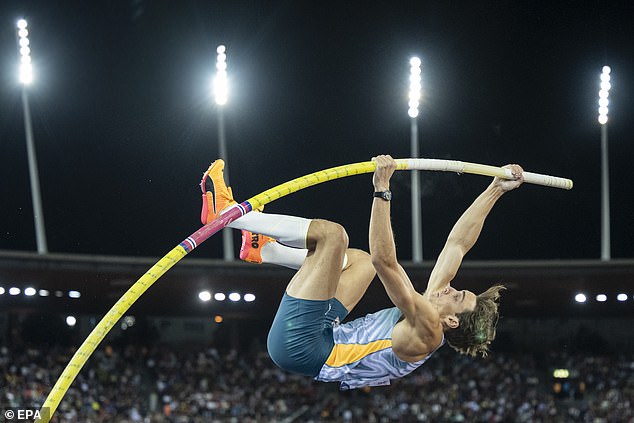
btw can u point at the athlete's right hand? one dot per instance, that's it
(385, 167)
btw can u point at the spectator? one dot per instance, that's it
(191, 384)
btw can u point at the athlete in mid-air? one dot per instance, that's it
(308, 335)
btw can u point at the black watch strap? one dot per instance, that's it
(384, 195)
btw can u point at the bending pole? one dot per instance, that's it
(201, 235)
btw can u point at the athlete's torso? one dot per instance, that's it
(363, 355)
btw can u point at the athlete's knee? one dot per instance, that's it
(324, 231)
(356, 257)
(361, 262)
(354, 254)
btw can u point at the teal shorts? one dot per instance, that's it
(300, 339)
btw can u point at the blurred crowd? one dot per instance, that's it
(191, 384)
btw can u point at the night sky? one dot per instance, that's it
(124, 121)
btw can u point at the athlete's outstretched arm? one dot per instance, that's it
(467, 229)
(382, 248)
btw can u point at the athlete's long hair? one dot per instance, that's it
(476, 329)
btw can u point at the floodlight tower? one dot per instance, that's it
(414, 101)
(26, 77)
(604, 92)
(221, 94)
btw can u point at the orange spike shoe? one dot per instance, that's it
(217, 196)
(251, 249)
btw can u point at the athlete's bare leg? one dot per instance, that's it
(355, 278)
(318, 277)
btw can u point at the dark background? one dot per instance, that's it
(125, 123)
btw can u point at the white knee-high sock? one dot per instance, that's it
(289, 230)
(281, 255)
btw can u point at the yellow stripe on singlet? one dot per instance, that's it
(343, 354)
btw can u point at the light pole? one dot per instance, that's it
(604, 92)
(414, 101)
(26, 77)
(221, 94)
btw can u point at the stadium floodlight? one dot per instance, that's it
(249, 298)
(219, 296)
(604, 93)
(204, 296)
(221, 94)
(14, 291)
(71, 321)
(26, 78)
(2, 290)
(74, 294)
(621, 297)
(26, 68)
(221, 83)
(30, 291)
(580, 298)
(602, 298)
(414, 102)
(414, 87)
(234, 296)
(44, 293)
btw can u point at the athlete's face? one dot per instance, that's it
(451, 301)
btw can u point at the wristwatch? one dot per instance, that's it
(384, 195)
